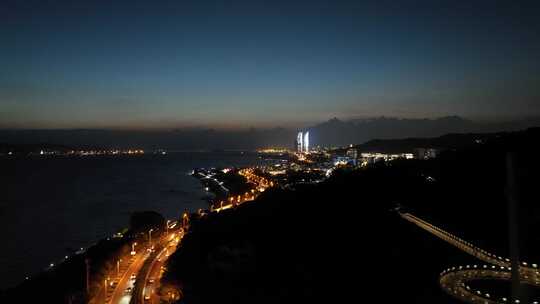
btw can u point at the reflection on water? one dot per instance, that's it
(51, 206)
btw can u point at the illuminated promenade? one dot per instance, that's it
(260, 184)
(454, 280)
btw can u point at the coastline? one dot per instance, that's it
(94, 203)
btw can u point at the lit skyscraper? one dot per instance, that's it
(299, 142)
(306, 142)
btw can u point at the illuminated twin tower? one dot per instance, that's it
(302, 142)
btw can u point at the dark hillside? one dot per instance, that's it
(339, 240)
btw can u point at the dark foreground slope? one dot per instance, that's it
(339, 241)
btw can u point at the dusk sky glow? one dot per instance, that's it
(230, 64)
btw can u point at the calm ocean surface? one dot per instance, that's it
(50, 206)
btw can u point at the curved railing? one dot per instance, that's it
(454, 280)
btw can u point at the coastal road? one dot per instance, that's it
(260, 183)
(169, 242)
(119, 294)
(151, 283)
(150, 277)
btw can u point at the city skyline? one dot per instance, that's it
(259, 64)
(237, 151)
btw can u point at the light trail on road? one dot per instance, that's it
(119, 295)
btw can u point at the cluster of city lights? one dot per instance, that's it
(105, 152)
(273, 150)
(261, 184)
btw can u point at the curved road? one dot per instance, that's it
(454, 281)
(150, 278)
(119, 294)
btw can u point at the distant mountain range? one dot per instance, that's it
(340, 133)
(441, 143)
(334, 132)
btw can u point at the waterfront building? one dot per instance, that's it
(299, 142)
(306, 142)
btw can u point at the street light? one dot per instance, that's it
(185, 220)
(118, 267)
(133, 248)
(150, 237)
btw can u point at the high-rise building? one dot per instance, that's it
(306, 142)
(299, 142)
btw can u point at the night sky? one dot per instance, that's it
(228, 64)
